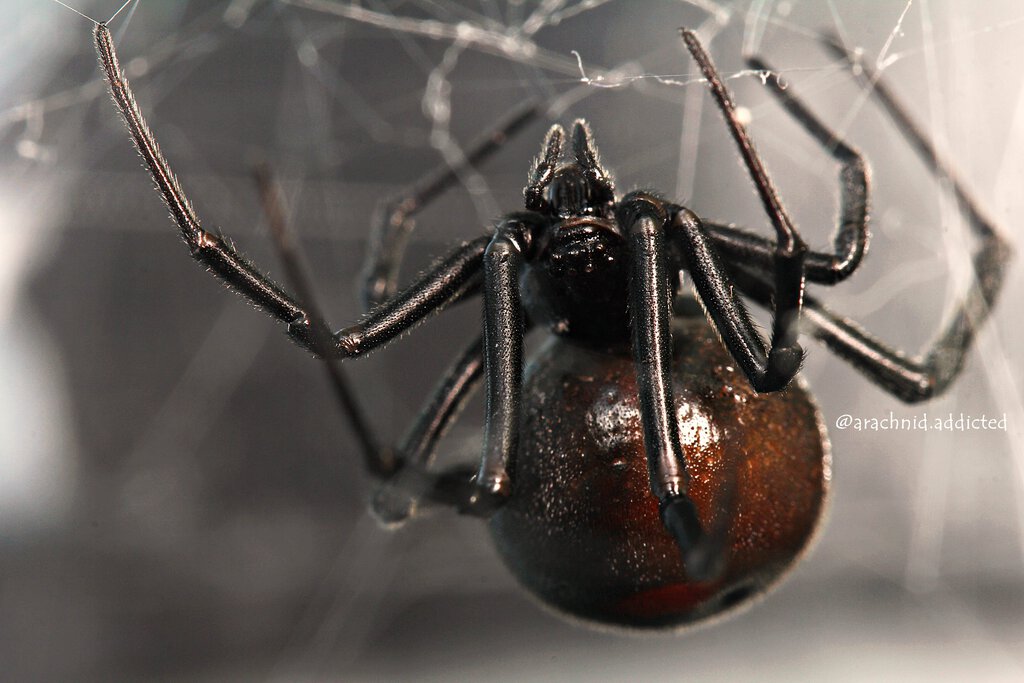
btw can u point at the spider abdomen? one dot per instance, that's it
(582, 530)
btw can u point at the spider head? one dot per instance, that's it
(573, 189)
(577, 199)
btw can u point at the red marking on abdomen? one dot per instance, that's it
(674, 599)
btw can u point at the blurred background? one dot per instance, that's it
(179, 499)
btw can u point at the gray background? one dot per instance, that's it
(178, 497)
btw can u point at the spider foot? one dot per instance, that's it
(458, 488)
(783, 365)
(392, 506)
(398, 498)
(702, 553)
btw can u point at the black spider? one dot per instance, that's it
(738, 471)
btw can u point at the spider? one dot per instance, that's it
(659, 462)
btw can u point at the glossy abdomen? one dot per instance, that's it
(582, 530)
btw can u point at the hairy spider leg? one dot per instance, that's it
(498, 356)
(850, 240)
(393, 222)
(404, 469)
(912, 380)
(216, 252)
(504, 329)
(931, 373)
(712, 282)
(449, 281)
(396, 499)
(650, 299)
(784, 353)
(394, 218)
(652, 226)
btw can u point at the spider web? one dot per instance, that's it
(194, 470)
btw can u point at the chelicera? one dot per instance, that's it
(658, 462)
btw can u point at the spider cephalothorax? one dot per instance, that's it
(575, 281)
(657, 465)
(580, 187)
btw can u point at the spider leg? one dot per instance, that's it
(917, 379)
(737, 244)
(650, 300)
(454, 278)
(789, 254)
(712, 280)
(405, 469)
(395, 500)
(450, 280)
(379, 462)
(210, 249)
(850, 241)
(910, 379)
(504, 329)
(394, 219)
(498, 355)
(981, 224)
